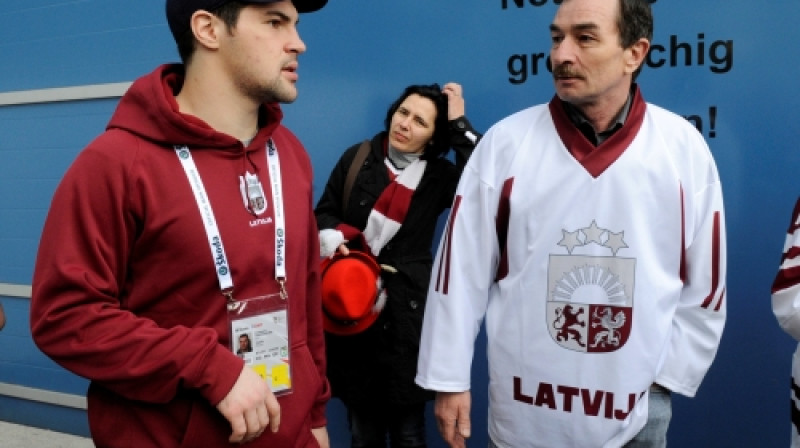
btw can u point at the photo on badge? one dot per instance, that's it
(259, 332)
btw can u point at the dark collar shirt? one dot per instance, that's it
(586, 128)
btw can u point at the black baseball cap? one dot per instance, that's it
(180, 11)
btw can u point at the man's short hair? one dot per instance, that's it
(635, 21)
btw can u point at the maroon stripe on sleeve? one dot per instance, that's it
(501, 223)
(721, 299)
(795, 225)
(443, 276)
(715, 261)
(682, 268)
(788, 277)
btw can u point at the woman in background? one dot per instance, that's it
(401, 189)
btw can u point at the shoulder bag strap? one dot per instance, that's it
(355, 167)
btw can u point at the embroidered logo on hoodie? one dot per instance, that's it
(253, 194)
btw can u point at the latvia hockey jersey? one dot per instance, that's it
(599, 271)
(786, 305)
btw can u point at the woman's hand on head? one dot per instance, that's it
(455, 100)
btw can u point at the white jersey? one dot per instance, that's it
(786, 306)
(599, 272)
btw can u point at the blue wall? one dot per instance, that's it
(731, 67)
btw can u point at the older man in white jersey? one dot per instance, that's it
(589, 232)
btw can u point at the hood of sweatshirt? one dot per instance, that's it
(149, 110)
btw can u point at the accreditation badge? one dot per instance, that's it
(259, 330)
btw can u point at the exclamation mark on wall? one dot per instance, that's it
(712, 118)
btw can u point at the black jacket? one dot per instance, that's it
(379, 364)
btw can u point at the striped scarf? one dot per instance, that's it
(391, 208)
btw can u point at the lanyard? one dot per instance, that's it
(210, 223)
(280, 220)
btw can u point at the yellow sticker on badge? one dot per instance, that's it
(280, 376)
(261, 370)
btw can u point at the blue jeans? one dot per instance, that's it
(659, 413)
(405, 426)
(654, 432)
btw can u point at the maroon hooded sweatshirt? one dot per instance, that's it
(125, 291)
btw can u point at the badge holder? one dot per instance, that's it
(259, 330)
(259, 327)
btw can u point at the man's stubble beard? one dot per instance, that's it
(276, 91)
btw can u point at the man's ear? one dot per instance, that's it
(635, 55)
(205, 27)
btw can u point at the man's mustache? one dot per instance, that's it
(566, 71)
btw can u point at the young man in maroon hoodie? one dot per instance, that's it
(188, 222)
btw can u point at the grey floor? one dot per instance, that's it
(19, 436)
